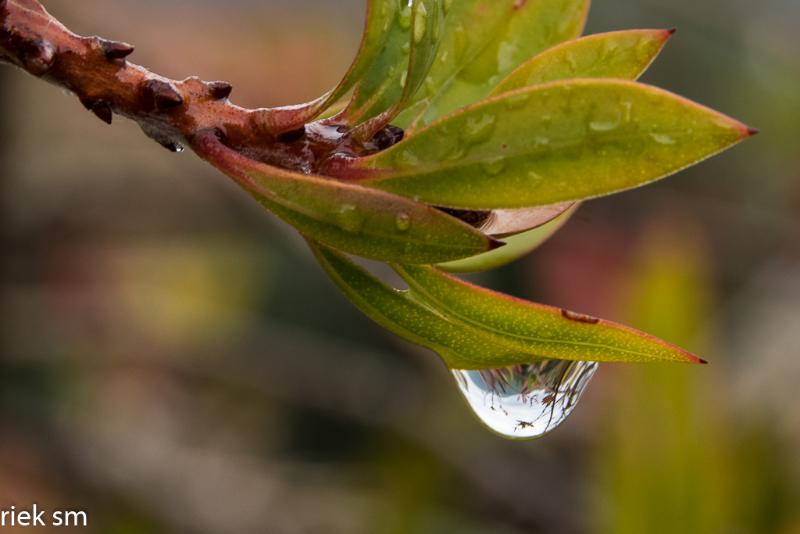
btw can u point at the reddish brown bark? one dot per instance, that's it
(171, 112)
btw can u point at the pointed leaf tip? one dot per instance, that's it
(670, 32)
(535, 329)
(495, 244)
(752, 131)
(596, 136)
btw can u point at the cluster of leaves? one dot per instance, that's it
(509, 121)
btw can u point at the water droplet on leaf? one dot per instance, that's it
(405, 18)
(350, 219)
(460, 43)
(534, 176)
(605, 119)
(525, 401)
(430, 86)
(662, 139)
(403, 222)
(517, 101)
(457, 152)
(572, 62)
(406, 159)
(494, 166)
(478, 129)
(609, 47)
(420, 24)
(628, 113)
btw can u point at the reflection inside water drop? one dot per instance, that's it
(526, 401)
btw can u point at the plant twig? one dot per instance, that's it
(169, 111)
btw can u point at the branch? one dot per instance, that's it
(171, 112)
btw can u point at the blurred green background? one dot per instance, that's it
(174, 361)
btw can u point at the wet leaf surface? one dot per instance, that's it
(460, 346)
(359, 220)
(624, 54)
(548, 332)
(483, 41)
(561, 141)
(426, 26)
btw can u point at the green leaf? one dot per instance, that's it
(380, 14)
(349, 217)
(473, 328)
(460, 346)
(548, 332)
(561, 141)
(623, 54)
(411, 40)
(483, 41)
(515, 247)
(427, 20)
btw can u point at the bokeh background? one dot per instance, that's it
(174, 361)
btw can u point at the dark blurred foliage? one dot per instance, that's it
(174, 361)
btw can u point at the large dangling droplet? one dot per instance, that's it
(525, 401)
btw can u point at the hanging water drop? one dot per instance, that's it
(525, 401)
